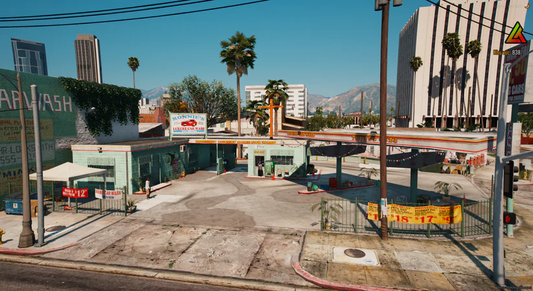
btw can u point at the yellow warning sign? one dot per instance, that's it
(417, 215)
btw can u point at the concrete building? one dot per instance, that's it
(296, 104)
(29, 56)
(436, 95)
(88, 58)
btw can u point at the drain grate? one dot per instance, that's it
(354, 253)
(55, 228)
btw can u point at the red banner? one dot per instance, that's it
(75, 193)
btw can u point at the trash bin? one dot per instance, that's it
(315, 187)
(332, 183)
(13, 202)
(309, 186)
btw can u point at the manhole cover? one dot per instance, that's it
(55, 228)
(354, 253)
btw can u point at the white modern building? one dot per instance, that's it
(295, 105)
(437, 96)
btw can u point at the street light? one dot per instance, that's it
(384, 6)
(27, 237)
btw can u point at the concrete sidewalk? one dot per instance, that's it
(260, 257)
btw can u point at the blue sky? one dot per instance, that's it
(328, 45)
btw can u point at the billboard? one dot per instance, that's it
(517, 78)
(188, 124)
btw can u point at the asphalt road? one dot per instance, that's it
(31, 277)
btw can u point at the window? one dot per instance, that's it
(282, 160)
(102, 163)
(145, 166)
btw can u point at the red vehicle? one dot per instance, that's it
(190, 122)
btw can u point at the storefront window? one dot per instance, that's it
(282, 160)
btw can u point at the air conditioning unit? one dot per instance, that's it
(183, 148)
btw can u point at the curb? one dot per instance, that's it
(317, 176)
(21, 252)
(305, 192)
(332, 285)
(180, 276)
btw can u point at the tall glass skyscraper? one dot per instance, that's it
(29, 56)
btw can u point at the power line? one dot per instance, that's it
(89, 12)
(111, 13)
(507, 26)
(136, 18)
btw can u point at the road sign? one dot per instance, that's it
(509, 139)
(517, 79)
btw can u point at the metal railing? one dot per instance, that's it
(54, 202)
(343, 215)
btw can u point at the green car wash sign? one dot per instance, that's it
(58, 115)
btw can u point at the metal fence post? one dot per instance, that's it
(490, 215)
(429, 223)
(9, 186)
(322, 214)
(125, 204)
(53, 198)
(76, 205)
(392, 222)
(462, 218)
(356, 214)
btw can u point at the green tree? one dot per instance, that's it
(276, 91)
(527, 122)
(133, 63)
(452, 44)
(201, 97)
(369, 172)
(415, 64)
(473, 48)
(391, 111)
(258, 117)
(238, 54)
(316, 123)
(319, 110)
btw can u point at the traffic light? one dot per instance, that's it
(509, 178)
(509, 218)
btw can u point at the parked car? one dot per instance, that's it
(190, 122)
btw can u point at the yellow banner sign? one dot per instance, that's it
(417, 215)
(10, 129)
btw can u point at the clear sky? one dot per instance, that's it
(328, 45)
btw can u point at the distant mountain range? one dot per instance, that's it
(154, 93)
(350, 101)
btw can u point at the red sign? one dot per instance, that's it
(509, 139)
(517, 78)
(75, 193)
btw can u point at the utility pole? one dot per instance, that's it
(38, 163)
(27, 237)
(384, 6)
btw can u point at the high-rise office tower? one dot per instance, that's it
(442, 86)
(29, 56)
(88, 58)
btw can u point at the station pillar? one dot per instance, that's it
(339, 169)
(414, 181)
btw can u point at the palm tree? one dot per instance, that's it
(238, 54)
(415, 64)
(276, 91)
(454, 49)
(445, 187)
(473, 48)
(369, 172)
(133, 63)
(257, 116)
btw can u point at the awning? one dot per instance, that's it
(69, 172)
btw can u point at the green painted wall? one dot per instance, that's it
(298, 152)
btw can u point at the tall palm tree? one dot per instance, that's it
(257, 116)
(415, 64)
(473, 48)
(238, 54)
(276, 91)
(454, 49)
(133, 63)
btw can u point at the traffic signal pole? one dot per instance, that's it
(497, 226)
